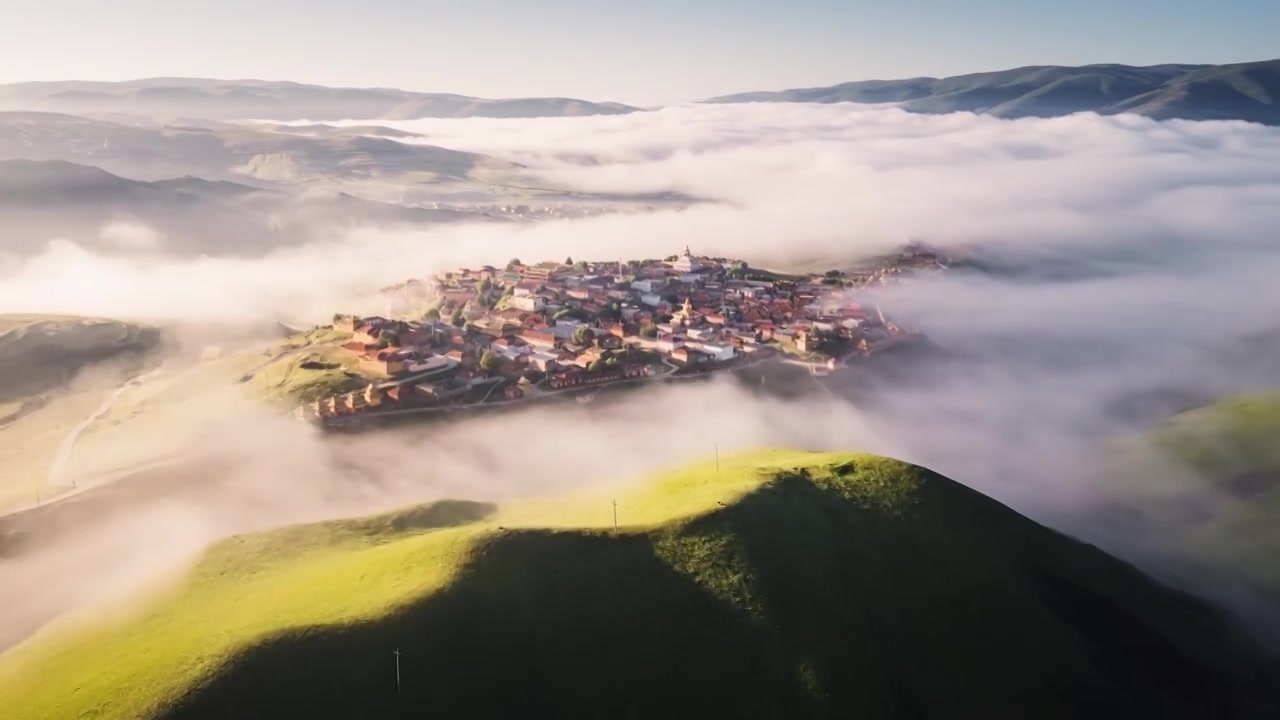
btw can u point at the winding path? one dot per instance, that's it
(58, 468)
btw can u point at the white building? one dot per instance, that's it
(686, 263)
(644, 286)
(543, 360)
(527, 303)
(719, 352)
(668, 343)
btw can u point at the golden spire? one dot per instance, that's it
(688, 307)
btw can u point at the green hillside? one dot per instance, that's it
(782, 584)
(1233, 447)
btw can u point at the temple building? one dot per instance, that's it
(685, 315)
(686, 263)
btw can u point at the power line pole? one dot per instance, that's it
(615, 517)
(397, 653)
(717, 458)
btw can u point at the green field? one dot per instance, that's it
(778, 584)
(1233, 447)
(1232, 437)
(306, 366)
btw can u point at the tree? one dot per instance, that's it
(456, 319)
(595, 366)
(432, 314)
(582, 335)
(489, 361)
(568, 261)
(582, 265)
(513, 263)
(485, 286)
(649, 331)
(610, 313)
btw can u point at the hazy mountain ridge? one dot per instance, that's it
(225, 151)
(270, 100)
(188, 215)
(1242, 91)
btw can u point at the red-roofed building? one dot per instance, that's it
(539, 339)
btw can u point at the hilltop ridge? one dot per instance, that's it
(775, 583)
(278, 100)
(1241, 91)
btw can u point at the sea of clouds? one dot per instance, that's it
(1133, 258)
(789, 182)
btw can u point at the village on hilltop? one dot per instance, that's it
(505, 335)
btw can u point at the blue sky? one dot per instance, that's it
(640, 51)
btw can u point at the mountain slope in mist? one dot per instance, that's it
(775, 584)
(184, 216)
(1244, 91)
(1221, 488)
(39, 352)
(152, 151)
(257, 99)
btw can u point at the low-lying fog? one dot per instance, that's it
(1138, 257)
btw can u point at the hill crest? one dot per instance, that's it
(278, 100)
(781, 583)
(1241, 91)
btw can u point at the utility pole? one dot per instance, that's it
(615, 517)
(397, 653)
(717, 458)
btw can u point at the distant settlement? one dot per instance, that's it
(494, 336)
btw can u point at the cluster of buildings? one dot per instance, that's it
(493, 334)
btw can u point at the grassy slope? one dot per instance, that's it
(1234, 445)
(42, 352)
(39, 356)
(859, 585)
(285, 381)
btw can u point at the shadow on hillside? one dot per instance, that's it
(542, 624)
(441, 514)
(950, 606)
(953, 605)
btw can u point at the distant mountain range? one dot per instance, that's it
(262, 100)
(226, 151)
(1244, 91)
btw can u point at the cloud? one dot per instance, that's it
(1126, 258)
(125, 235)
(810, 182)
